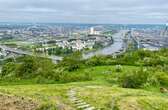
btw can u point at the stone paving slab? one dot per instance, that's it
(79, 101)
(80, 104)
(84, 106)
(90, 108)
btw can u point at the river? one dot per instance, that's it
(109, 50)
(112, 49)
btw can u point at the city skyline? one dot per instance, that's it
(85, 11)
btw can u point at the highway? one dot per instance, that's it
(113, 49)
(21, 52)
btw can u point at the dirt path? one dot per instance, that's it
(16, 103)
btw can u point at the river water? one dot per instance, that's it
(112, 49)
(109, 50)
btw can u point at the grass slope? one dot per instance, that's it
(98, 92)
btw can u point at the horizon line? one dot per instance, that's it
(26, 22)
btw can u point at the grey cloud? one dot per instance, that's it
(85, 11)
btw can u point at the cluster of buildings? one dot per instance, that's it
(75, 37)
(152, 39)
(38, 32)
(78, 43)
(78, 37)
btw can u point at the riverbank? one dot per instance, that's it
(117, 46)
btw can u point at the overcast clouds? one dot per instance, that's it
(84, 11)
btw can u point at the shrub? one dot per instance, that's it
(164, 68)
(143, 53)
(118, 68)
(63, 76)
(129, 58)
(45, 69)
(152, 81)
(8, 69)
(42, 80)
(27, 67)
(100, 60)
(112, 78)
(135, 79)
(72, 62)
(8, 60)
(162, 78)
(153, 61)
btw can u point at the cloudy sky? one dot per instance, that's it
(84, 11)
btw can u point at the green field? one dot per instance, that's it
(98, 92)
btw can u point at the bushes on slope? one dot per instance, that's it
(42, 70)
(134, 79)
(143, 78)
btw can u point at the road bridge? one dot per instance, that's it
(21, 52)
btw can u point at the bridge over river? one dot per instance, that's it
(114, 49)
(21, 52)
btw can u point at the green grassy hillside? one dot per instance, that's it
(104, 82)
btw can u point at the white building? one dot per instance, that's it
(94, 32)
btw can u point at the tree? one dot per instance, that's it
(8, 69)
(27, 67)
(73, 61)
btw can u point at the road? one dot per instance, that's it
(113, 49)
(21, 52)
